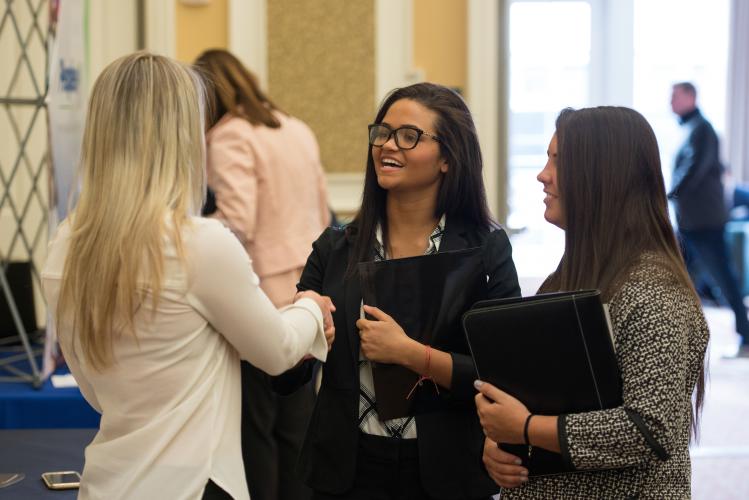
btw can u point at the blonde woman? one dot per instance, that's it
(155, 306)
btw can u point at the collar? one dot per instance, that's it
(435, 238)
(688, 116)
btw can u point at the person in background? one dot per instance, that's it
(154, 306)
(605, 189)
(423, 194)
(701, 212)
(269, 186)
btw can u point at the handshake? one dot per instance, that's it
(327, 308)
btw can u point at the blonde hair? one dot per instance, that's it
(142, 164)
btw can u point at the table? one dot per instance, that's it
(48, 407)
(33, 451)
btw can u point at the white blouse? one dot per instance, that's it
(170, 403)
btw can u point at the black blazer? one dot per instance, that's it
(697, 183)
(450, 441)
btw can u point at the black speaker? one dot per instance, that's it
(18, 275)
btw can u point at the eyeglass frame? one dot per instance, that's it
(394, 136)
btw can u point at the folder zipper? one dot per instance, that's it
(587, 354)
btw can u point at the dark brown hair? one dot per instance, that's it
(461, 193)
(614, 203)
(232, 88)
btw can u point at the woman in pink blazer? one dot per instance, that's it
(264, 170)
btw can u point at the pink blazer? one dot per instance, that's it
(270, 189)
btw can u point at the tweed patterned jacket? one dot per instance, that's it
(660, 340)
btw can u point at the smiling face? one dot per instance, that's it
(548, 177)
(414, 170)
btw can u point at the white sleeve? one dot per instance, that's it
(71, 359)
(51, 283)
(225, 290)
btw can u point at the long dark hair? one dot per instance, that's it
(234, 89)
(461, 192)
(614, 203)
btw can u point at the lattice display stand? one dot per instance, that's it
(24, 170)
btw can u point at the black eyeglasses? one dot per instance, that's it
(406, 137)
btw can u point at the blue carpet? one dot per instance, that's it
(23, 407)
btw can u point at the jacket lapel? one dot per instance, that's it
(454, 237)
(353, 306)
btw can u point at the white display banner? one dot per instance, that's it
(66, 105)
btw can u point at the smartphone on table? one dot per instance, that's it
(64, 480)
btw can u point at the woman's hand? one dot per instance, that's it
(502, 416)
(504, 468)
(382, 339)
(327, 308)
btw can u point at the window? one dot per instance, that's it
(679, 40)
(600, 52)
(550, 69)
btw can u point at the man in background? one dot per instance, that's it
(697, 192)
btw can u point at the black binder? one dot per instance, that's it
(427, 295)
(554, 352)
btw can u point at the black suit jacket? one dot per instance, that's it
(697, 184)
(450, 441)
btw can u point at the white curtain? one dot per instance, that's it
(737, 133)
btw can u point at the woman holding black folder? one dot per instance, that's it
(604, 187)
(423, 194)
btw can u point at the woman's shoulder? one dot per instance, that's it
(648, 274)
(652, 271)
(229, 125)
(652, 284)
(294, 129)
(208, 236)
(473, 231)
(493, 238)
(206, 226)
(336, 236)
(290, 120)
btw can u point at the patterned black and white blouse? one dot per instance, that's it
(369, 420)
(660, 339)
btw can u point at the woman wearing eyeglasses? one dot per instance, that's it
(423, 193)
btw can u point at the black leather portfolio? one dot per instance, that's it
(427, 295)
(554, 352)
